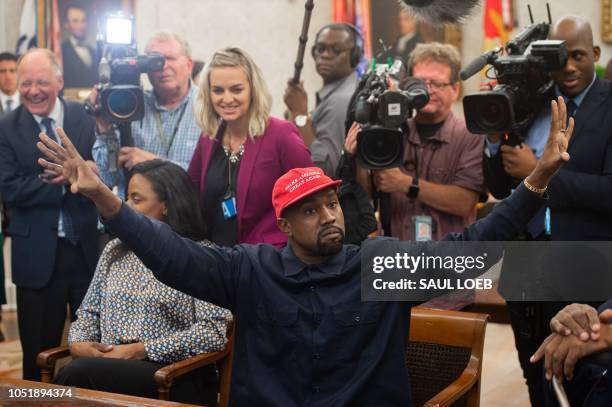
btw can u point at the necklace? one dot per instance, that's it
(233, 157)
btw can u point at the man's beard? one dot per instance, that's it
(329, 248)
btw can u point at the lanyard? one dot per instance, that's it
(162, 138)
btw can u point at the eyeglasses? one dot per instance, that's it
(39, 84)
(435, 85)
(335, 49)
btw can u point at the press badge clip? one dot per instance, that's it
(228, 205)
(422, 228)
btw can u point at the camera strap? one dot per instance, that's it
(160, 126)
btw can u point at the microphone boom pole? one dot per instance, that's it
(299, 61)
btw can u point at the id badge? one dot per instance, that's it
(422, 228)
(228, 205)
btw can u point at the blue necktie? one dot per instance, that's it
(69, 229)
(8, 107)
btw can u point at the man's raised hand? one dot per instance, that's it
(65, 159)
(79, 173)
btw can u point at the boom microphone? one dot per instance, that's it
(477, 64)
(440, 11)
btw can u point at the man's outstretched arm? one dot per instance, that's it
(210, 274)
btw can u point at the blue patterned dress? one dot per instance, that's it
(126, 304)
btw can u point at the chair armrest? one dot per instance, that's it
(458, 388)
(165, 376)
(46, 359)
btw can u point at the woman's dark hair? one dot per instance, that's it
(173, 186)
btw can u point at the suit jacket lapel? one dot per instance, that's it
(251, 151)
(72, 124)
(28, 127)
(595, 97)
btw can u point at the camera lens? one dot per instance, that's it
(489, 112)
(122, 103)
(492, 115)
(379, 147)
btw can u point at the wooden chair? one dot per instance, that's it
(444, 357)
(164, 377)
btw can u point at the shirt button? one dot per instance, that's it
(316, 389)
(312, 288)
(357, 318)
(316, 356)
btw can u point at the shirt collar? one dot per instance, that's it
(190, 94)
(578, 98)
(4, 97)
(292, 265)
(328, 89)
(443, 135)
(57, 114)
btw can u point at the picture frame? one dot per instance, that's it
(606, 21)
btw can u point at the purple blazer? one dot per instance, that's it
(265, 159)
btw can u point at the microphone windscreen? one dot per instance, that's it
(440, 11)
(473, 68)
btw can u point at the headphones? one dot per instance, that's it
(356, 52)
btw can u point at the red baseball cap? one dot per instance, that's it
(297, 184)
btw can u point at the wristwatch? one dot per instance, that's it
(300, 120)
(413, 191)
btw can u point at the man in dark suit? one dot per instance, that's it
(80, 62)
(54, 233)
(580, 197)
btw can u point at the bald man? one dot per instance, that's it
(580, 198)
(54, 233)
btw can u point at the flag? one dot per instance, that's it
(27, 27)
(54, 33)
(497, 23)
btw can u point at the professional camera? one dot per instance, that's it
(382, 112)
(523, 86)
(120, 96)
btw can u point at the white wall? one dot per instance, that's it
(589, 9)
(266, 29)
(10, 12)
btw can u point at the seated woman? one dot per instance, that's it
(129, 324)
(242, 152)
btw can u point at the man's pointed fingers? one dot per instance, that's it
(72, 151)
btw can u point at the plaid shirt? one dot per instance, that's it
(147, 136)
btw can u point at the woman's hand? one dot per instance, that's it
(89, 349)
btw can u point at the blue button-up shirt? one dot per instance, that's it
(303, 335)
(148, 136)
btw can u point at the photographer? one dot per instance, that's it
(168, 129)
(579, 198)
(441, 179)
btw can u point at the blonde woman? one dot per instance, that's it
(242, 151)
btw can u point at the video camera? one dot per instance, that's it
(523, 86)
(120, 95)
(382, 112)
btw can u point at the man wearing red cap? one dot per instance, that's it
(303, 335)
